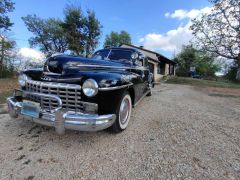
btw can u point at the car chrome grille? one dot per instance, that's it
(70, 94)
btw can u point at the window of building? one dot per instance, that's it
(161, 68)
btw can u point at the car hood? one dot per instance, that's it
(70, 64)
(70, 69)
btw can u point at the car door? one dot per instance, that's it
(146, 72)
(142, 72)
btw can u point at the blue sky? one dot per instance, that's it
(152, 23)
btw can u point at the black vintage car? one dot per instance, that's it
(84, 94)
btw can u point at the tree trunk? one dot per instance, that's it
(2, 56)
(238, 70)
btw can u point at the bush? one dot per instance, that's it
(231, 74)
(203, 62)
(182, 72)
(6, 72)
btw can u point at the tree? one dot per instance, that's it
(7, 55)
(82, 32)
(191, 57)
(93, 32)
(6, 44)
(74, 28)
(6, 6)
(48, 34)
(219, 31)
(77, 33)
(115, 39)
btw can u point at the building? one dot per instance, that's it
(159, 65)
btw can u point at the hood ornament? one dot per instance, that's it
(45, 78)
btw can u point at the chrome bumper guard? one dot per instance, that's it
(60, 119)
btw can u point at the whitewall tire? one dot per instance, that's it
(123, 113)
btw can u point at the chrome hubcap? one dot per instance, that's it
(124, 111)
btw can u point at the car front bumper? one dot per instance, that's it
(62, 120)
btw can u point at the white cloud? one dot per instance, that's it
(170, 41)
(31, 53)
(174, 39)
(29, 58)
(167, 14)
(182, 14)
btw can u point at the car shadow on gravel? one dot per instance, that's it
(32, 138)
(21, 127)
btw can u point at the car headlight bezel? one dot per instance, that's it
(90, 88)
(22, 79)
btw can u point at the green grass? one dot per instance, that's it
(202, 83)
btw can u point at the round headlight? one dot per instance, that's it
(22, 78)
(90, 87)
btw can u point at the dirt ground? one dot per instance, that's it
(8, 84)
(178, 133)
(222, 91)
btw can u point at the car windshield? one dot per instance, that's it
(113, 54)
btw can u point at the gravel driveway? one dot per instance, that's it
(178, 133)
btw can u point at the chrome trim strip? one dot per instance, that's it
(141, 98)
(54, 84)
(35, 69)
(113, 67)
(100, 66)
(115, 87)
(66, 80)
(50, 73)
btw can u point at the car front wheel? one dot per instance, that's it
(123, 113)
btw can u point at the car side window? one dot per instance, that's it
(140, 60)
(101, 55)
(146, 62)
